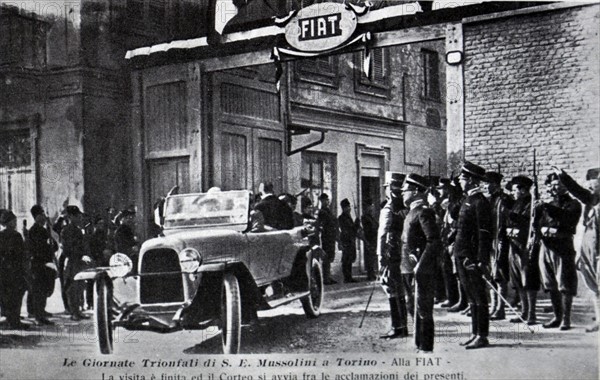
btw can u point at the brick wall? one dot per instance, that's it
(533, 81)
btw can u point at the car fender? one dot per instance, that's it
(92, 274)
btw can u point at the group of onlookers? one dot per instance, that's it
(30, 262)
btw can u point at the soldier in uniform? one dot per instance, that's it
(13, 272)
(43, 268)
(501, 203)
(472, 249)
(589, 258)
(75, 252)
(421, 242)
(389, 236)
(348, 234)
(125, 240)
(327, 224)
(557, 226)
(524, 270)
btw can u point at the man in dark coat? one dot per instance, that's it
(348, 234)
(589, 258)
(557, 226)
(276, 212)
(13, 272)
(421, 241)
(389, 239)
(370, 227)
(75, 252)
(43, 269)
(524, 267)
(125, 239)
(326, 223)
(501, 203)
(472, 248)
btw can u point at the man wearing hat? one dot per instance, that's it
(472, 249)
(501, 204)
(524, 270)
(348, 234)
(13, 273)
(588, 261)
(75, 252)
(125, 240)
(421, 242)
(389, 237)
(327, 224)
(43, 268)
(556, 226)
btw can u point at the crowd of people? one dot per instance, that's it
(469, 241)
(30, 262)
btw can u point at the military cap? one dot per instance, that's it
(345, 203)
(522, 181)
(443, 183)
(323, 196)
(393, 178)
(129, 211)
(36, 210)
(473, 170)
(551, 177)
(73, 210)
(493, 177)
(593, 173)
(415, 180)
(6, 217)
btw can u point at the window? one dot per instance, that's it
(431, 74)
(320, 70)
(378, 81)
(319, 175)
(433, 118)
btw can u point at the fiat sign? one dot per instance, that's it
(320, 27)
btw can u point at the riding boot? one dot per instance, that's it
(567, 303)
(462, 300)
(483, 321)
(500, 313)
(557, 308)
(524, 307)
(531, 299)
(474, 324)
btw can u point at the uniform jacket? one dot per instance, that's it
(38, 243)
(370, 227)
(421, 237)
(328, 226)
(348, 231)
(276, 212)
(561, 214)
(501, 205)
(389, 235)
(73, 248)
(473, 228)
(125, 240)
(518, 223)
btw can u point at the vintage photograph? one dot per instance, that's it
(299, 189)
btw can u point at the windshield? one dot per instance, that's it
(210, 209)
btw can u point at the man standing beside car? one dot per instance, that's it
(328, 226)
(276, 212)
(348, 234)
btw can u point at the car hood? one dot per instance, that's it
(192, 237)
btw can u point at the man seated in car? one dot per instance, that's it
(276, 213)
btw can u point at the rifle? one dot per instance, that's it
(533, 240)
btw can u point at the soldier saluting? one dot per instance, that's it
(557, 226)
(472, 249)
(389, 236)
(421, 242)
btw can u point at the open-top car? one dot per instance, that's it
(207, 268)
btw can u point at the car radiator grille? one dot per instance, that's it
(161, 288)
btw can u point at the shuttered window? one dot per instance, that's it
(234, 166)
(377, 83)
(166, 120)
(320, 70)
(270, 167)
(431, 74)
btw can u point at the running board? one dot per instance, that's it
(287, 299)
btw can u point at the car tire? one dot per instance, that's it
(312, 302)
(231, 321)
(103, 314)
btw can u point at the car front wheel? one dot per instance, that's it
(312, 302)
(231, 322)
(102, 314)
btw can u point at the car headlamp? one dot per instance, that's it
(120, 265)
(190, 260)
